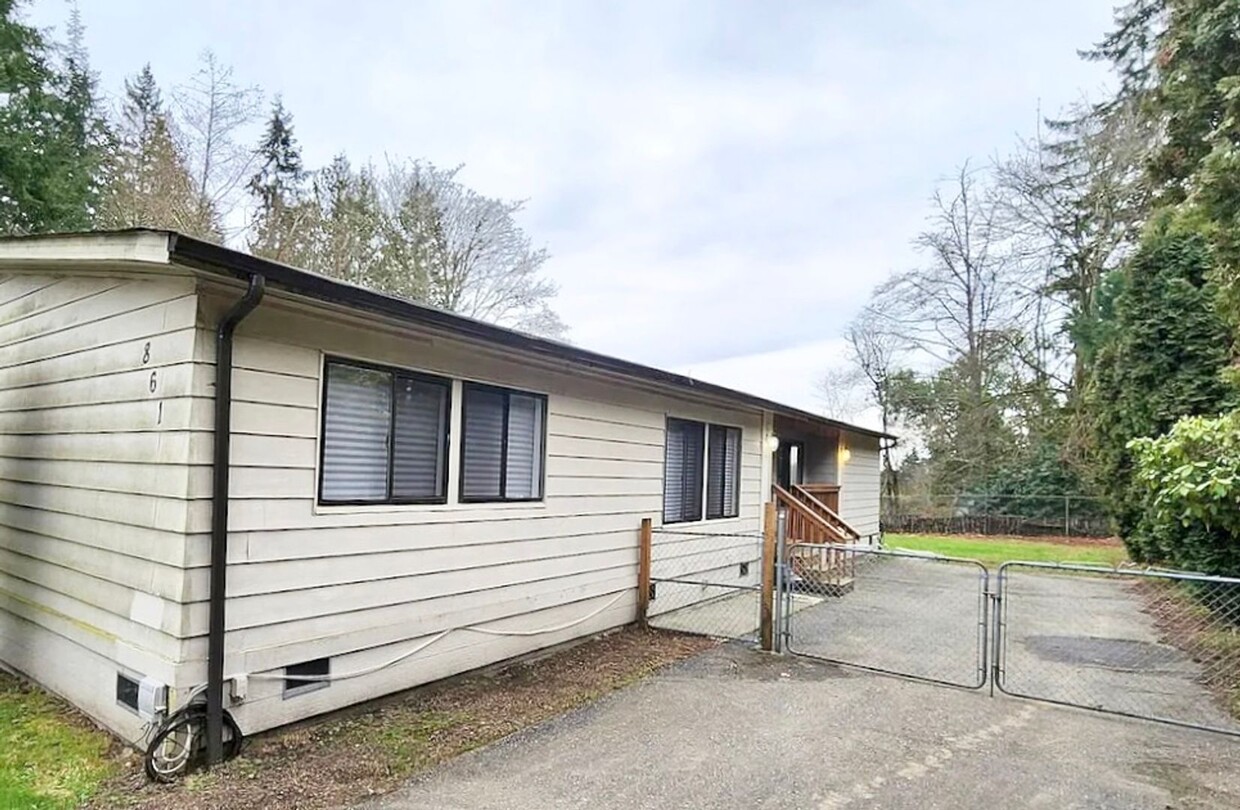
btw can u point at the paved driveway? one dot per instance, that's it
(738, 728)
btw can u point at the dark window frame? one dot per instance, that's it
(736, 505)
(704, 480)
(445, 443)
(295, 687)
(540, 451)
(701, 511)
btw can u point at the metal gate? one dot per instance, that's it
(1151, 644)
(886, 611)
(1158, 645)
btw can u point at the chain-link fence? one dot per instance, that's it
(706, 583)
(1152, 644)
(985, 514)
(900, 613)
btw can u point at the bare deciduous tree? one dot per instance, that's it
(148, 182)
(875, 350)
(1074, 205)
(212, 108)
(967, 308)
(465, 250)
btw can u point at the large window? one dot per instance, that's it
(723, 472)
(700, 458)
(385, 436)
(502, 444)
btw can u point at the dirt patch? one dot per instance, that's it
(1203, 621)
(342, 760)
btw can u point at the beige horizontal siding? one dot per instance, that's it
(95, 418)
(358, 584)
(860, 485)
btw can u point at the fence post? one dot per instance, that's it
(768, 577)
(1067, 516)
(783, 600)
(643, 572)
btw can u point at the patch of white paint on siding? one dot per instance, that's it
(147, 609)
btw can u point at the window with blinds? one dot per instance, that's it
(503, 444)
(701, 458)
(723, 472)
(682, 471)
(385, 436)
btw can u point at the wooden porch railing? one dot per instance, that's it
(808, 524)
(824, 507)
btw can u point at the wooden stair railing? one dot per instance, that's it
(804, 525)
(826, 513)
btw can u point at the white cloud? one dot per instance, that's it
(719, 184)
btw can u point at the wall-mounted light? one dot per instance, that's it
(772, 443)
(845, 455)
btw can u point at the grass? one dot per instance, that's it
(994, 551)
(49, 757)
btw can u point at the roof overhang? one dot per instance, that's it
(152, 247)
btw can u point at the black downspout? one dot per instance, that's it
(219, 513)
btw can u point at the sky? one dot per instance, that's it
(720, 185)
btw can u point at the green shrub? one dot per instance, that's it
(1190, 479)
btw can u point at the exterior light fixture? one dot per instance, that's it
(772, 442)
(845, 455)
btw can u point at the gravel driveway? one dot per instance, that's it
(740, 728)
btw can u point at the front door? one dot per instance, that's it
(790, 464)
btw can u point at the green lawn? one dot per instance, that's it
(994, 551)
(49, 758)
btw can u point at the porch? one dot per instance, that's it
(806, 464)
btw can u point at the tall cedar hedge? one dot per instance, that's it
(1163, 348)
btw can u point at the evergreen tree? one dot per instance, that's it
(142, 111)
(278, 188)
(149, 184)
(1163, 347)
(52, 138)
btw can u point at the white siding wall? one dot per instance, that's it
(95, 433)
(860, 483)
(365, 585)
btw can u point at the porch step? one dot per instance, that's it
(836, 587)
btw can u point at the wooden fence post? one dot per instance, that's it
(768, 576)
(643, 571)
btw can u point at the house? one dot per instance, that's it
(387, 474)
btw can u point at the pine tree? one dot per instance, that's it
(143, 108)
(278, 188)
(149, 184)
(52, 138)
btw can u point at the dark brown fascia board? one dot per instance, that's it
(217, 259)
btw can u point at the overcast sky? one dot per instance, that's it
(720, 184)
